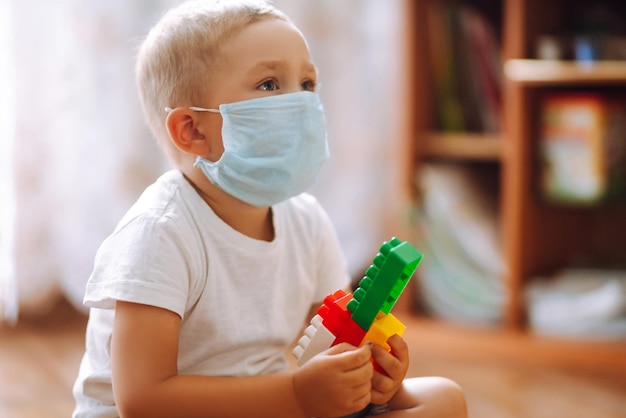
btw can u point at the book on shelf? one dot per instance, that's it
(583, 147)
(456, 226)
(465, 67)
(578, 303)
(447, 113)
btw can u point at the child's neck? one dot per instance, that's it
(256, 223)
(252, 221)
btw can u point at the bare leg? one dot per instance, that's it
(428, 397)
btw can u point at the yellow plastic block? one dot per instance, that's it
(384, 327)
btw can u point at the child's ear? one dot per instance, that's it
(184, 130)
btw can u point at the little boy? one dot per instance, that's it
(212, 273)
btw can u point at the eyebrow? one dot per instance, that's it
(274, 64)
(264, 65)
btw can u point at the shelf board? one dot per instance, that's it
(545, 72)
(463, 146)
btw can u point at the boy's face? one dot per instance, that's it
(266, 58)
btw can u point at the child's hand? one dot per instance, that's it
(335, 382)
(395, 365)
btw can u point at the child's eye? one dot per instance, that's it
(308, 85)
(268, 85)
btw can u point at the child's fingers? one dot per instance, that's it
(399, 348)
(382, 383)
(361, 375)
(363, 400)
(340, 348)
(394, 367)
(349, 357)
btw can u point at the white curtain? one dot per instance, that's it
(8, 293)
(75, 152)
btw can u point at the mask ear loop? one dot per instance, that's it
(202, 109)
(194, 108)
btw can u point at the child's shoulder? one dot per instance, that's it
(168, 197)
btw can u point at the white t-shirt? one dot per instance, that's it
(242, 301)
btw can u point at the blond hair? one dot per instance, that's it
(179, 54)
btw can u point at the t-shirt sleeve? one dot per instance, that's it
(144, 262)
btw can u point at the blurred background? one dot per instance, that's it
(76, 152)
(490, 135)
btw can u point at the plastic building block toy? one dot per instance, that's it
(384, 327)
(338, 320)
(384, 281)
(334, 311)
(365, 315)
(316, 339)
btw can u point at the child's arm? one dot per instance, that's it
(144, 351)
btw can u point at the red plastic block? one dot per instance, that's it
(351, 333)
(338, 319)
(334, 316)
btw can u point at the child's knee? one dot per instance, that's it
(452, 395)
(437, 396)
(452, 390)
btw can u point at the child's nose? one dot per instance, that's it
(293, 90)
(293, 87)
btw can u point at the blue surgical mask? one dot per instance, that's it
(274, 147)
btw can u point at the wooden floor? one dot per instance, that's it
(508, 375)
(39, 360)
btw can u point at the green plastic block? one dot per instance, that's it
(384, 281)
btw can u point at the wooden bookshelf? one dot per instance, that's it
(462, 146)
(532, 72)
(539, 239)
